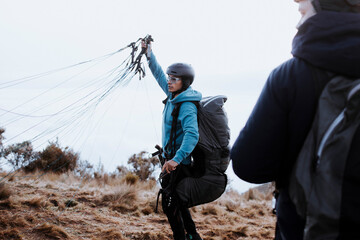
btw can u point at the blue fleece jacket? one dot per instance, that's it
(187, 132)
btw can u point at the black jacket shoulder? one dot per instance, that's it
(267, 146)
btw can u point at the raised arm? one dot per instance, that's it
(156, 69)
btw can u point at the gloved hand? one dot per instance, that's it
(147, 47)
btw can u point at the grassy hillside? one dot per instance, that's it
(64, 206)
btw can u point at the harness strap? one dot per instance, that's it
(175, 115)
(181, 170)
(172, 140)
(157, 200)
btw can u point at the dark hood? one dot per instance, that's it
(331, 41)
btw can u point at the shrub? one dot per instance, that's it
(131, 179)
(20, 154)
(84, 169)
(142, 166)
(54, 159)
(99, 170)
(122, 170)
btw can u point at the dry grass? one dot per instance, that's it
(123, 194)
(10, 234)
(102, 179)
(54, 202)
(122, 208)
(150, 184)
(36, 202)
(239, 232)
(5, 192)
(149, 236)
(253, 194)
(9, 203)
(131, 178)
(231, 206)
(147, 210)
(14, 221)
(112, 234)
(12, 178)
(51, 177)
(52, 231)
(65, 207)
(210, 209)
(71, 203)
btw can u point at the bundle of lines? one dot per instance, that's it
(52, 116)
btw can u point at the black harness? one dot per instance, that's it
(169, 181)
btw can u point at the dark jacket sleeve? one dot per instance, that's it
(259, 152)
(268, 145)
(255, 152)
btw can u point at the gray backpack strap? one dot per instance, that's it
(316, 182)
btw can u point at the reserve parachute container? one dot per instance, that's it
(211, 156)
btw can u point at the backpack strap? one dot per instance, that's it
(175, 115)
(172, 140)
(174, 175)
(321, 78)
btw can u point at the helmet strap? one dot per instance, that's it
(185, 85)
(173, 94)
(184, 88)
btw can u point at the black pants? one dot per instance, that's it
(178, 216)
(177, 213)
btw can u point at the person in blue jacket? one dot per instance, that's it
(176, 86)
(327, 41)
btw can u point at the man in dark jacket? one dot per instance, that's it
(327, 43)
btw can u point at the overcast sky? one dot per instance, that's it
(232, 44)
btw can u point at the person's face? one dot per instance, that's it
(306, 10)
(174, 83)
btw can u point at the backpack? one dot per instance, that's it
(316, 180)
(206, 181)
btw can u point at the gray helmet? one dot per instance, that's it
(183, 70)
(337, 5)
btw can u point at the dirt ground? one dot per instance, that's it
(66, 207)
